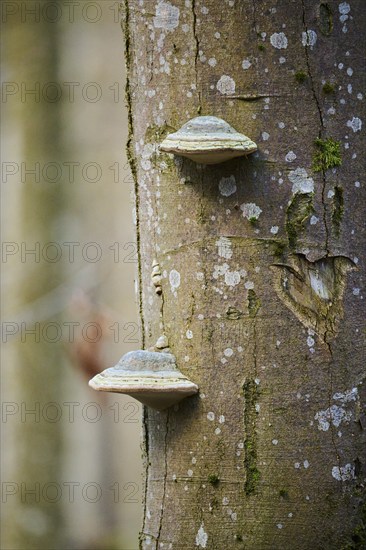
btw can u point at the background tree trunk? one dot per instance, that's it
(262, 281)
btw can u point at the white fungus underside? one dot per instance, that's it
(130, 384)
(199, 146)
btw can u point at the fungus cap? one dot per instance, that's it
(208, 140)
(148, 376)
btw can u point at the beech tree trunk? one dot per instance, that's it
(262, 260)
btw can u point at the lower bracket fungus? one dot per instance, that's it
(208, 140)
(151, 377)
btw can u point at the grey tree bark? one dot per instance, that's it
(262, 261)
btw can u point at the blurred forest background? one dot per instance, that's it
(71, 468)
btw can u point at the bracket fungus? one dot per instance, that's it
(208, 140)
(150, 377)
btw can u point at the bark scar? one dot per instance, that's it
(314, 291)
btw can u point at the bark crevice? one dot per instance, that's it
(164, 479)
(196, 53)
(321, 130)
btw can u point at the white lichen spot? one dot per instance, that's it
(310, 341)
(250, 210)
(224, 248)
(147, 151)
(232, 278)
(217, 35)
(334, 415)
(190, 473)
(282, 60)
(281, 125)
(221, 419)
(355, 124)
(265, 136)
(212, 62)
(290, 157)
(306, 464)
(279, 40)
(344, 8)
(279, 525)
(217, 431)
(189, 334)
(174, 280)
(228, 352)
(343, 473)
(314, 220)
(249, 285)
(274, 441)
(185, 28)
(225, 501)
(201, 537)
(297, 465)
(227, 186)
(274, 229)
(347, 396)
(167, 16)
(226, 85)
(302, 183)
(246, 64)
(309, 38)
(211, 416)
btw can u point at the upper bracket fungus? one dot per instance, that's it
(150, 377)
(208, 140)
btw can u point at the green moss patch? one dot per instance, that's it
(327, 154)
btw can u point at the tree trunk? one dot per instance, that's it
(262, 298)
